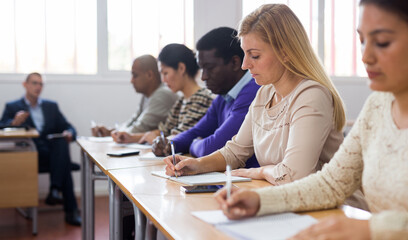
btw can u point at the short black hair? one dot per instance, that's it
(224, 40)
(172, 54)
(399, 7)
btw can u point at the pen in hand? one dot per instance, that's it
(162, 137)
(174, 156)
(228, 171)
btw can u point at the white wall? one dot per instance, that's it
(209, 14)
(114, 101)
(81, 102)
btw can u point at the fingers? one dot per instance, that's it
(119, 137)
(238, 172)
(20, 118)
(148, 137)
(114, 135)
(184, 165)
(104, 132)
(170, 169)
(221, 197)
(68, 135)
(95, 131)
(143, 138)
(182, 162)
(241, 204)
(235, 213)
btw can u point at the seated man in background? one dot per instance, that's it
(220, 57)
(178, 67)
(153, 108)
(53, 154)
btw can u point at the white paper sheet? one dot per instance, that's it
(150, 157)
(99, 139)
(276, 226)
(201, 179)
(133, 145)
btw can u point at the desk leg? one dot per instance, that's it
(140, 223)
(115, 211)
(34, 213)
(87, 200)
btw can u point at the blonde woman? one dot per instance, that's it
(294, 125)
(374, 155)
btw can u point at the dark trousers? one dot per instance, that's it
(54, 156)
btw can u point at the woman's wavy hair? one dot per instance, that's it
(277, 25)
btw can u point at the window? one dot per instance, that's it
(336, 40)
(144, 27)
(342, 44)
(50, 36)
(61, 36)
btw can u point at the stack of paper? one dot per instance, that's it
(272, 227)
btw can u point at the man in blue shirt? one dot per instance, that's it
(45, 116)
(220, 57)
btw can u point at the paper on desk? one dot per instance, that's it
(100, 139)
(276, 226)
(134, 145)
(55, 135)
(150, 157)
(201, 179)
(14, 130)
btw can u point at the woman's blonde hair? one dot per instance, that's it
(278, 26)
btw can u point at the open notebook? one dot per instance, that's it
(271, 227)
(201, 179)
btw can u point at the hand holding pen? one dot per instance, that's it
(181, 165)
(237, 203)
(228, 184)
(172, 154)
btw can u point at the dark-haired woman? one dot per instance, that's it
(178, 67)
(374, 154)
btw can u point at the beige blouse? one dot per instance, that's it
(374, 156)
(297, 135)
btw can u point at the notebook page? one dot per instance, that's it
(201, 179)
(276, 226)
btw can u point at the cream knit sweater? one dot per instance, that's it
(375, 156)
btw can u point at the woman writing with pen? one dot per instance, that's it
(294, 125)
(374, 154)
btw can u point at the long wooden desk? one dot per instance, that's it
(170, 209)
(19, 180)
(94, 154)
(159, 199)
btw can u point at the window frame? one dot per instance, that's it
(109, 76)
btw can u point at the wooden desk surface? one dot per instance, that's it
(170, 209)
(97, 152)
(31, 133)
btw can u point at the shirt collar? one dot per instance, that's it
(27, 102)
(233, 92)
